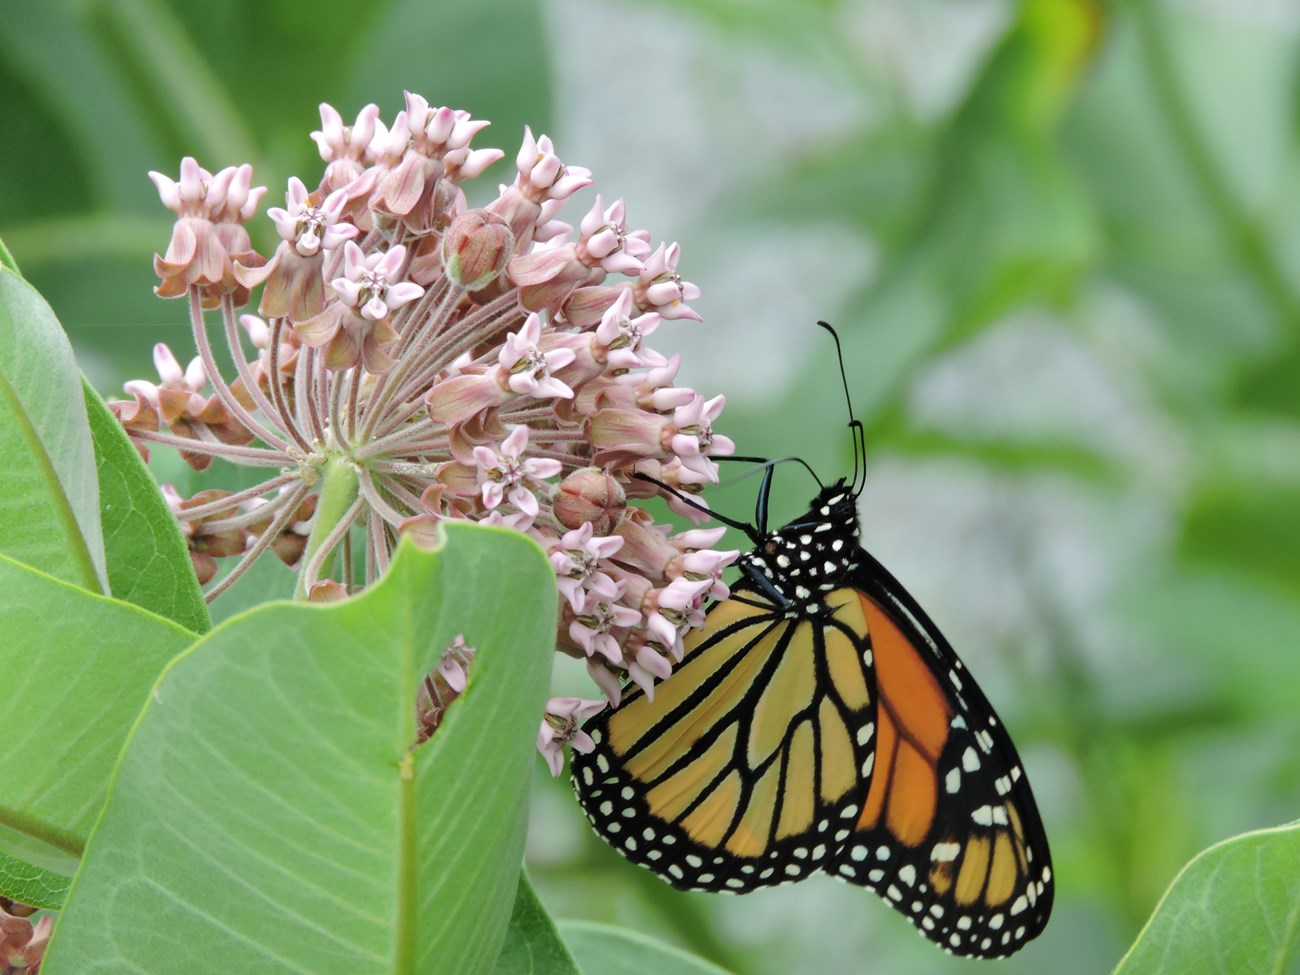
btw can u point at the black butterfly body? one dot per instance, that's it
(820, 721)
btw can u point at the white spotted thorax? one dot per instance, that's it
(810, 556)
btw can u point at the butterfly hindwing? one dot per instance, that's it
(949, 833)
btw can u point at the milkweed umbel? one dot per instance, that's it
(820, 721)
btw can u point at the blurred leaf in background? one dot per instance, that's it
(1061, 240)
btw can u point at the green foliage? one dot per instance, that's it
(77, 668)
(147, 561)
(1234, 910)
(270, 787)
(533, 945)
(50, 505)
(1210, 612)
(615, 951)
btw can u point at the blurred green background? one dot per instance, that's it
(1060, 239)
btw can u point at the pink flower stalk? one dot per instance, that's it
(428, 360)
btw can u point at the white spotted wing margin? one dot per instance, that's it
(977, 878)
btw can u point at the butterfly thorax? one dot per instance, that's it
(810, 556)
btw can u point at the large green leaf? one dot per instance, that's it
(269, 809)
(1234, 910)
(533, 945)
(77, 668)
(147, 561)
(615, 951)
(49, 504)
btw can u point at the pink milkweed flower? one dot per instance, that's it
(528, 368)
(606, 241)
(505, 475)
(179, 391)
(370, 283)
(424, 145)
(345, 147)
(591, 627)
(547, 276)
(356, 327)
(622, 336)
(543, 184)
(179, 403)
(295, 283)
(562, 726)
(661, 288)
(694, 439)
(577, 560)
(670, 612)
(604, 676)
(446, 682)
(311, 229)
(647, 666)
(207, 235)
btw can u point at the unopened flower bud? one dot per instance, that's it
(590, 497)
(327, 591)
(475, 249)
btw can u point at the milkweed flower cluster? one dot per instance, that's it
(415, 359)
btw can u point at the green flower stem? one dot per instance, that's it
(338, 490)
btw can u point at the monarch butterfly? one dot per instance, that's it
(821, 722)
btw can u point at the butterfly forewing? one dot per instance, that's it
(746, 769)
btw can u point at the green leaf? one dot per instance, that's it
(533, 945)
(147, 561)
(1234, 910)
(77, 668)
(270, 811)
(29, 884)
(7, 259)
(50, 502)
(614, 951)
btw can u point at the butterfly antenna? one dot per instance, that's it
(753, 533)
(765, 489)
(859, 433)
(763, 463)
